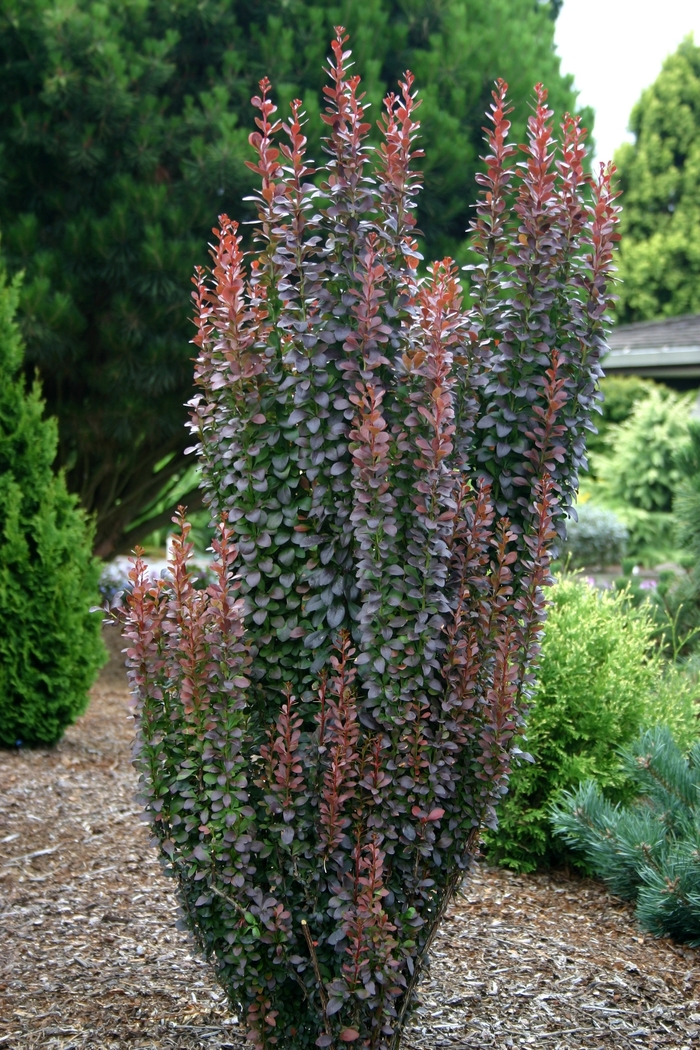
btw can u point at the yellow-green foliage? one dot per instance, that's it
(600, 680)
(638, 474)
(641, 468)
(620, 395)
(673, 703)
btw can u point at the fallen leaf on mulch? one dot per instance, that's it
(90, 957)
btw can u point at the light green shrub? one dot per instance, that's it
(640, 469)
(620, 395)
(678, 596)
(673, 702)
(600, 680)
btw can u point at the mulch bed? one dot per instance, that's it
(90, 956)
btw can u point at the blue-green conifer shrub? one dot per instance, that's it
(596, 538)
(647, 851)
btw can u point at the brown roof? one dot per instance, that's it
(670, 332)
(663, 348)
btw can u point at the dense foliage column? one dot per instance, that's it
(325, 730)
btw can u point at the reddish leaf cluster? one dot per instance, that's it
(325, 730)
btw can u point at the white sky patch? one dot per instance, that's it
(615, 48)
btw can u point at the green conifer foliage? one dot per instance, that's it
(50, 647)
(641, 470)
(621, 394)
(660, 178)
(677, 599)
(648, 851)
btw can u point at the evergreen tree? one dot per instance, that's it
(123, 133)
(640, 468)
(50, 647)
(660, 178)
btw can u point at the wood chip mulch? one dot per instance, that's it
(90, 956)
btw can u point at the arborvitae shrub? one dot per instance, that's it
(641, 466)
(50, 646)
(647, 851)
(620, 395)
(323, 732)
(677, 598)
(637, 475)
(600, 679)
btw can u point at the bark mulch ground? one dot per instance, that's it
(90, 957)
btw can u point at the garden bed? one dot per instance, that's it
(91, 957)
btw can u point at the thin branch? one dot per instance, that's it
(314, 962)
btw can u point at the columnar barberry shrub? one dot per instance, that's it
(324, 731)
